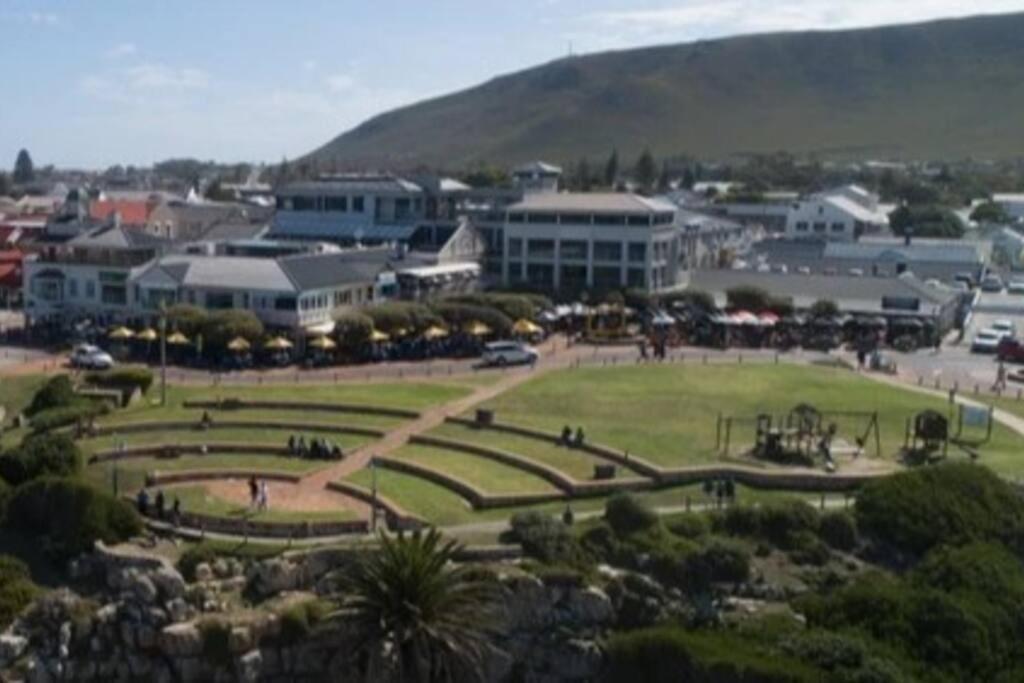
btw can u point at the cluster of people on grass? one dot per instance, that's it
(318, 448)
(570, 439)
(160, 510)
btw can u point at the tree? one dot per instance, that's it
(645, 173)
(611, 169)
(185, 318)
(24, 172)
(418, 616)
(928, 220)
(583, 179)
(689, 179)
(5, 184)
(747, 298)
(990, 212)
(223, 326)
(824, 308)
(216, 192)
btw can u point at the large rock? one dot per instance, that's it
(589, 606)
(249, 666)
(180, 640)
(204, 572)
(140, 586)
(11, 647)
(274, 576)
(577, 660)
(169, 582)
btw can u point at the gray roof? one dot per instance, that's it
(861, 294)
(234, 230)
(369, 183)
(117, 237)
(593, 202)
(228, 272)
(938, 251)
(317, 271)
(538, 168)
(323, 226)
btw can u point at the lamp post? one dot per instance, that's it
(163, 352)
(373, 490)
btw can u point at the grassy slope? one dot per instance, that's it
(937, 90)
(486, 475)
(668, 414)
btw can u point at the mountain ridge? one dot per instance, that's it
(940, 89)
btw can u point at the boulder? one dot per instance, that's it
(273, 576)
(590, 606)
(178, 610)
(169, 582)
(204, 572)
(11, 647)
(140, 586)
(180, 640)
(577, 660)
(249, 666)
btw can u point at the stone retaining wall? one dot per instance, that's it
(397, 518)
(243, 404)
(477, 498)
(192, 425)
(175, 451)
(186, 476)
(243, 527)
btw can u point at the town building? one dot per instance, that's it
(571, 242)
(537, 176)
(1011, 203)
(841, 215)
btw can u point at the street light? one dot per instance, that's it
(373, 489)
(163, 352)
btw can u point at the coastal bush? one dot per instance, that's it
(16, 589)
(124, 379)
(546, 539)
(192, 557)
(186, 319)
(459, 315)
(40, 455)
(401, 315)
(215, 637)
(353, 330)
(299, 620)
(68, 516)
(628, 515)
(689, 525)
(56, 393)
(839, 530)
(63, 416)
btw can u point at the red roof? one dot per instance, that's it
(5, 233)
(11, 256)
(132, 212)
(10, 275)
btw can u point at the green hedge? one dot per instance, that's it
(63, 416)
(627, 515)
(56, 393)
(125, 379)
(458, 315)
(399, 315)
(40, 455)
(669, 654)
(16, 589)
(68, 516)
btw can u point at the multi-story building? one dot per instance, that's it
(841, 215)
(580, 241)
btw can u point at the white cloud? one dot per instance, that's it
(341, 82)
(695, 19)
(161, 77)
(309, 65)
(43, 18)
(122, 50)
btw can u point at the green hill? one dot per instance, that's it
(938, 90)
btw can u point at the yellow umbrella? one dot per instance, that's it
(177, 339)
(478, 329)
(524, 326)
(147, 335)
(378, 336)
(121, 333)
(278, 344)
(239, 344)
(435, 332)
(322, 343)
(400, 332)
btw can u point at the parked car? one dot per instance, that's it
(509, 353)
(986, 341)
(1010, 350)
(91, 357)
(965, 278)
(1005, 327)
(992, 283)
(1015, 287)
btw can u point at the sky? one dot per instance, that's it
(92, 83)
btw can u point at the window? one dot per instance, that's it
(574, 219)
(612, 219)
(515, 271)
(358, 205)
(540, 275)
(515, 247)
(220, 300)
(73, 288)
(801, 226)
(285, 303)
(574, 250)
(608, 251)
(637, 252)
(540, 248)
(245, 299)
(90, 289)
(516, 218)
(303, 204)
(635, 277)
(402, 208)
(819, 226)
(607, 277)
(573, 278)
(838, 227)
(639, 220)
(336, 204)
(115, 295)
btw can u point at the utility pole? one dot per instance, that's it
(163, 352)
(373, 490)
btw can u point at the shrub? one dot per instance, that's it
(193, 557)
(726, 561)
(400, 315)
(738, 520)
(69, 516)
(545, 539)
(948, 504)
(57, 392)
(16, 589)
(125, 379)
(780, 522)
(353, 330)
(63, 416)
(689, 525)
(216, 639)
(186, 319)
(459, 315)
(669, 654)
(5, 497)
(299, 620)
(222, 326)
(839, 530)
(806, 548)
(628, 515)
(40, 455)
(513, 306)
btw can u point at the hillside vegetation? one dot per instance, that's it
(946, 89)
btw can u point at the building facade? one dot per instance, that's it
(841, 215)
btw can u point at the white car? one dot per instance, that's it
(1004, 327)
(91, 357)
(986, 340)
(509, 353)
(1015, 287)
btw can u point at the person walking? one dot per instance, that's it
(264, 498)
(160, 504)
(1000, 384)
(176, 512)
(254, 491)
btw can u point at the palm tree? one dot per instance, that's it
(419, 617)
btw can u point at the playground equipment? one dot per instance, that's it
(802, 434)
(929, 431)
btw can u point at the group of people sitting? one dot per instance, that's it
(159, 505)
(569, 439)
(318, 448)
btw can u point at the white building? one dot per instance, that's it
(1012, 204)
(580, 241)
(841, 215)
(537, 176)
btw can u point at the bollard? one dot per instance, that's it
(975, 389)
(920, 381)
(704, 359)
(937, 382)
(776, 357)
(1018, 394)
(739, 358)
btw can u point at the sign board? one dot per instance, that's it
(975, 416)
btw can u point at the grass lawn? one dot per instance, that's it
(17, 392)
(131, 474)
(195, 436)
(667, 414)
(573, 463)
(197, 499)
(487, 475)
